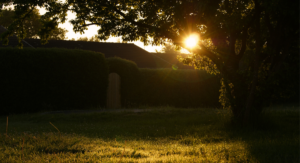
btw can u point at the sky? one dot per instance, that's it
(92, 30)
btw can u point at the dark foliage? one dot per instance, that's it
(286, 81)
(262, 33)
(36, 79)
(158, 87)
(130, 77)
(178, 88)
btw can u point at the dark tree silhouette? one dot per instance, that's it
(91, 39)
(31, 24)
(249, 42)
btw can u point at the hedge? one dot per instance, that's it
(36, 79)
(178, 88)
(130, 77)
(158, 87)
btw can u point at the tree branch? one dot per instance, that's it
(232, 44)
(85, 25)
(244, 37)
(258, 44)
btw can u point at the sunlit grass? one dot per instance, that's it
(156, 135)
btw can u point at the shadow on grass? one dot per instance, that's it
(273, 138)
(55, 151)
(126, 155)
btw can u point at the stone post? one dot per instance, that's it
(113, 91)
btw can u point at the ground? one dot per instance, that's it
(162, 134)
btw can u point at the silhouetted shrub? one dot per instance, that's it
(130, 77)
(286, 81)
(157, 87)
(33, 79)
(178, 88)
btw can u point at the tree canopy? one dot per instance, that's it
(91, 39)
(32, 25)
(249, 42)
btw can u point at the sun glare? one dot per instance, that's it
(191, 41)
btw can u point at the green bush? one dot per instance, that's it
(178, 88)
(130, 77)
(157, 87)
(33, 79)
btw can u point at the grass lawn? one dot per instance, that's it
(162, 135)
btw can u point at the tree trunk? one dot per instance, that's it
(243, 101)
(249, 108)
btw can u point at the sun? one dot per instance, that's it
(191, 41)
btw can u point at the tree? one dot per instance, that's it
(59, 34)
(82, 39)
(91, 39)
(170, 48)
(31, 24)
(94, 39)
(246, 41)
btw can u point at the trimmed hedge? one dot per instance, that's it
(158, 87)
(130, 77)
(35, 79)
(178, 88)
(167, 60)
